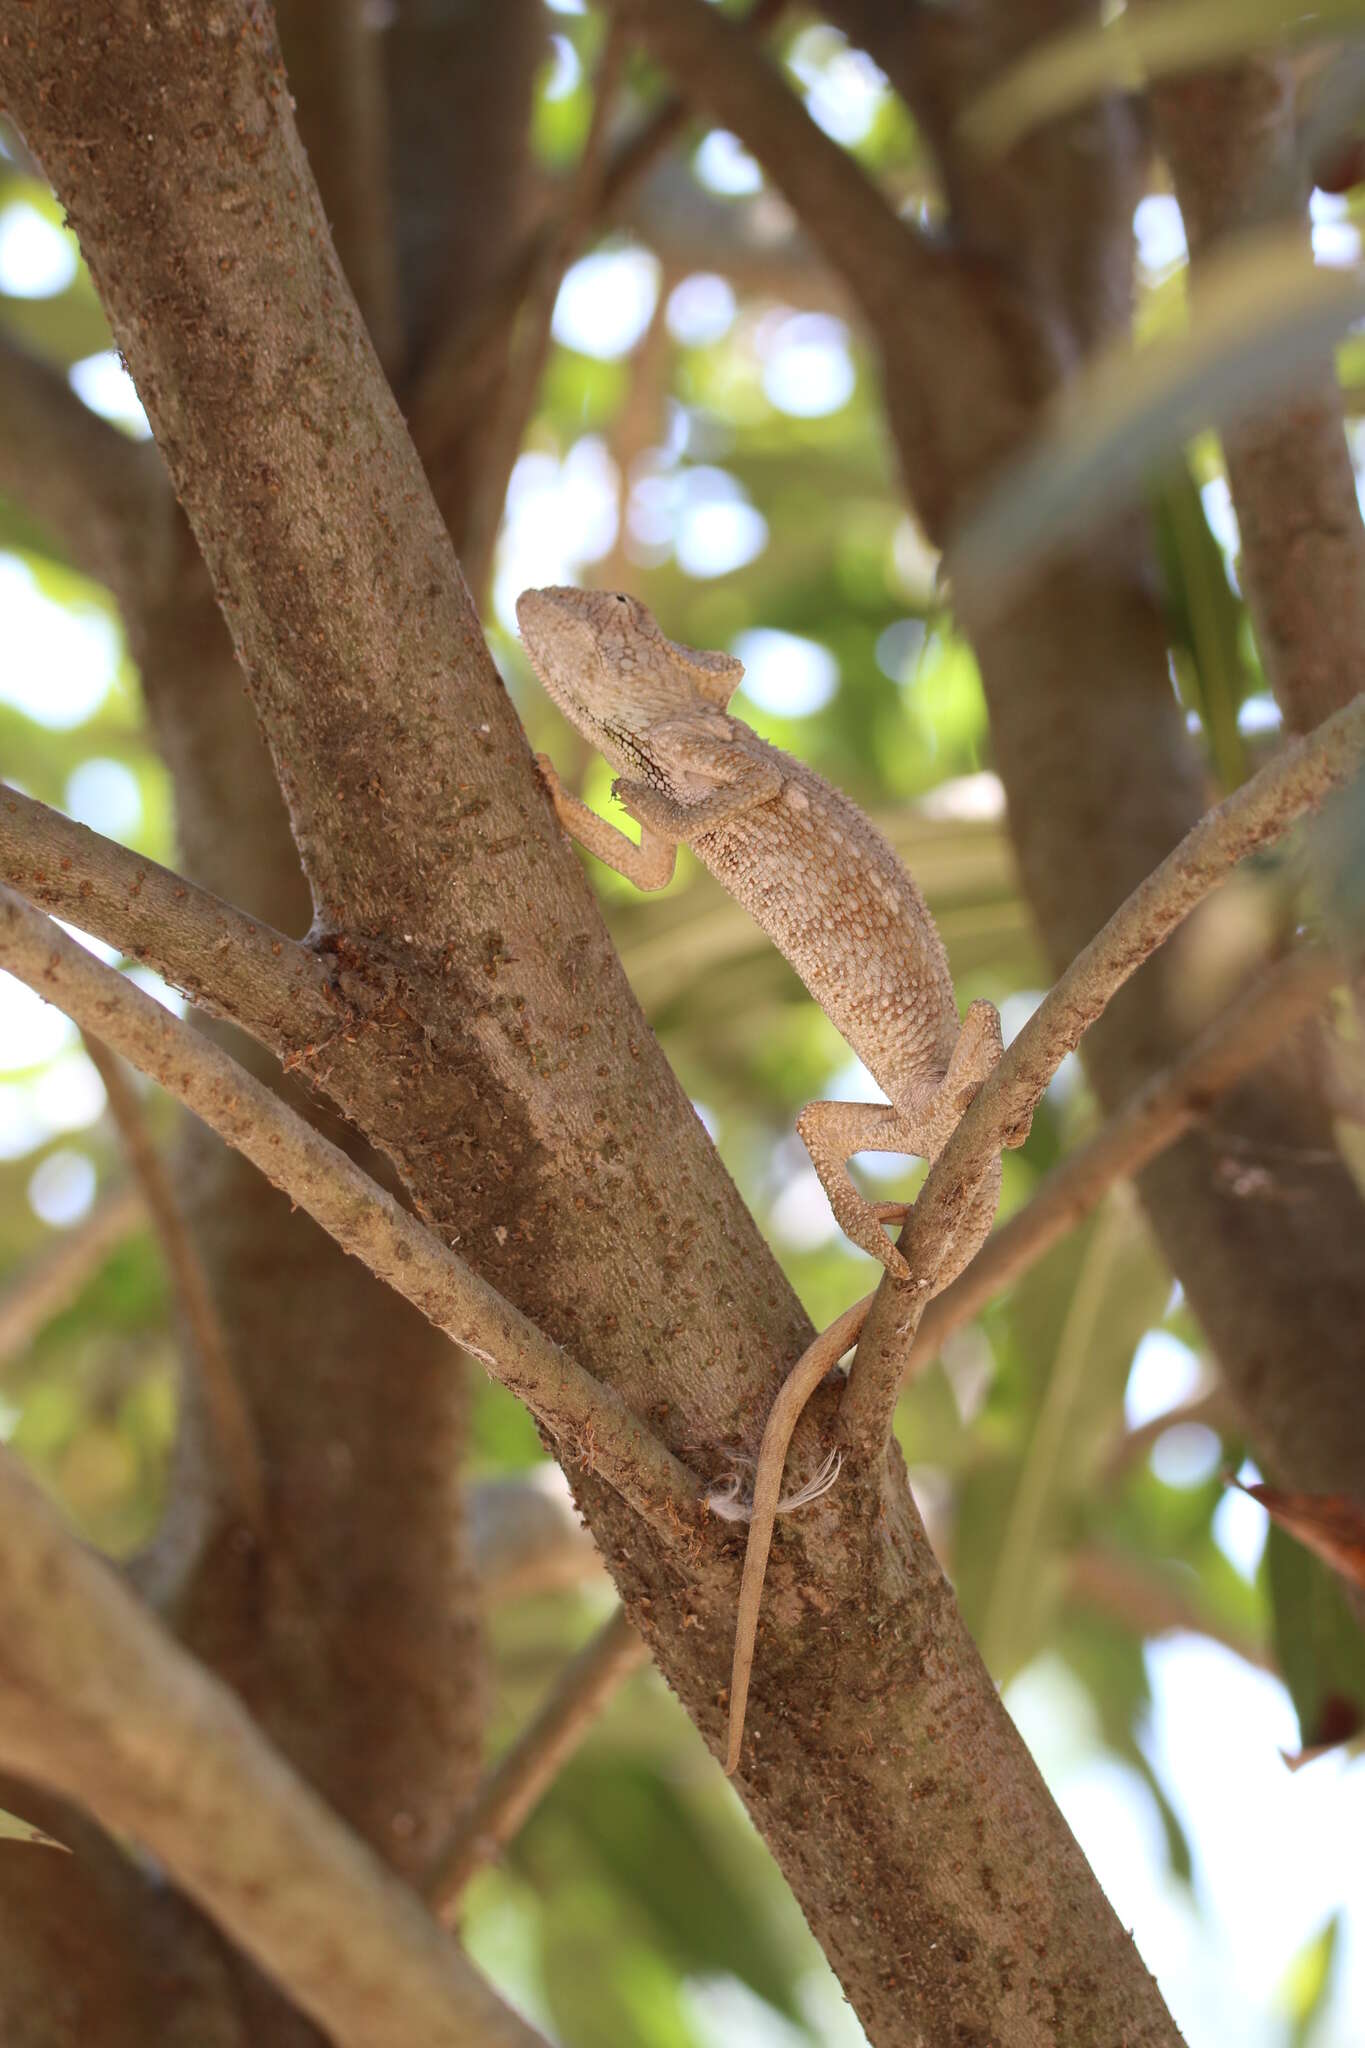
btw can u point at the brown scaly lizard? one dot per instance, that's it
(831, 894)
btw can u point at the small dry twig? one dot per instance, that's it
(52, 1282)
(229, 1417)
(521, 1777)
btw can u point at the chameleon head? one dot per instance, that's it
(602, 658)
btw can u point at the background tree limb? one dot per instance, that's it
(106, 1709)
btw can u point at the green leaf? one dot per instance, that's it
(1319, 1643)
(649, 1846)
(12, 1829)
(1263, 316)
(1109, 1663)
(1307, 1983)
(1069, 1333)
(1150, 41)
(603, 1985)
(1206, 617)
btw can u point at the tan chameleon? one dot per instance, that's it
(831, 894)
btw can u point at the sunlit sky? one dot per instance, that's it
(1275, 1852)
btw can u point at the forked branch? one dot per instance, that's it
(227, 963)
(589, 1418)
(1161, 1111)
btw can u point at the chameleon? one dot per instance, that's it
(827, 888)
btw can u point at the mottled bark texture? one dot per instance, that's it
(1255, 1212)
(498, 1057)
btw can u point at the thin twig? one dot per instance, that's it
(1212, 1410)
(98, 1703)
(525, 1773)
(531, 346)
(36, 1296)
(1237, 1041)
(228, 964)
(589, 1418)
(525, 1537)
(1150, 1603)
(228, 1414)
(1300, 777)
(458, 368)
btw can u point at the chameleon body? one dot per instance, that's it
(824, 884)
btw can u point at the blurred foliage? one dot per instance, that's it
(637, 1883)
(1318, 1642)
(1124, 47)
(1265, 317)
(1305, 1990)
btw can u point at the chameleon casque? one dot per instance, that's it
(829, 891)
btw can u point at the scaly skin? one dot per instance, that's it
(831, 894)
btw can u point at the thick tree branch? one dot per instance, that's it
(1296, 781)
(1231, 139)
(235, 1442)
(104, 1708)
(460, 85)
(41, 1291)
(525, 1773)
(228, 964)
(590, 1419)
(103, 497)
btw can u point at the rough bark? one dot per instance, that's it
(540, 1129)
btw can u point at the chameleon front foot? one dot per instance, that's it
(830, 1132)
